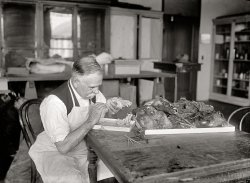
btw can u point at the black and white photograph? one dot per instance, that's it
(124, 91)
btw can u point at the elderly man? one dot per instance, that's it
(67, 114)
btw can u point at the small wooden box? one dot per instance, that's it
(125, 67)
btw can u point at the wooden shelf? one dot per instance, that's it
(245, 80)
(241, 41)
(222, 60)
(240, 89)
(241, 60)
(223, 32)
(243, 32)
(219, 77)
(220, 86)
(66, 76)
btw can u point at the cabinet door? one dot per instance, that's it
(222, 40)
(57, 30)
(18, 35)
(241, 59)
(123, 36)
(73, 32)
(90, 31)
(150, 38)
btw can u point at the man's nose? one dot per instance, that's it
(96, 90)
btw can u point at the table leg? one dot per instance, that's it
(175, 88)
(92, 168)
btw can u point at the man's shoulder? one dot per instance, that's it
(53, 104)
(52, 100)
(60, 90)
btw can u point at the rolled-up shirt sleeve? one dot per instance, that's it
(54, 118)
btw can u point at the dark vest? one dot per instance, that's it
(63, 92)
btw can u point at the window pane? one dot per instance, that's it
(151, 39)
(18, 44)
(58, 31)
(221, 58)
(123, 36)
(241, 66)
(90, 24)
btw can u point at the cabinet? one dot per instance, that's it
(136, 34)
(181, 36)
(51, 29)
(231, 60)
(73, 30)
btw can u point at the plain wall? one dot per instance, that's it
(211, 9)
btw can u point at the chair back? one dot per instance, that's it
(31, 126)
(241, 115)
(30, 120)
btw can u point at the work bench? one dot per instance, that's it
(196, 158)
(32, 78)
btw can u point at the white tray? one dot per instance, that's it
(111, 125)
(190, 130)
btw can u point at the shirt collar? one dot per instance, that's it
(78, 97)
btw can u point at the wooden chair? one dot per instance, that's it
(31, 126)
(243, 112)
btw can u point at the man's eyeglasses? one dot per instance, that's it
(94, 89)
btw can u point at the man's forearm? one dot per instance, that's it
(75, 137)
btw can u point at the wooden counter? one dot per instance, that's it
(65, 76)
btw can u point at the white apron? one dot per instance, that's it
(55, 167)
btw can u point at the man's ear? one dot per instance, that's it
(75, 82)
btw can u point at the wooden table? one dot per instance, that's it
(217, 157)
(186, 74)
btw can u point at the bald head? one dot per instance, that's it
(85, 66)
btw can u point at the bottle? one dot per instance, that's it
(241, 75)
(218, 82)
(225, 75)
(236, 56)
(241, 56)
(245, 57)
(227, 53)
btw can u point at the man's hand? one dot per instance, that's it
(97, 111)
(75, 137)
(112, 106)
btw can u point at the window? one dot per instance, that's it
(18, 33)
(58, 31)
(90, 36)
